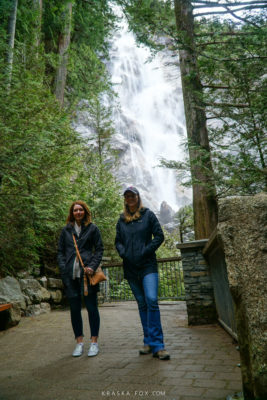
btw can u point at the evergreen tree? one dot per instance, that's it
(233, 76)
(43, 161)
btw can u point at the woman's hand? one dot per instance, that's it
(89, 271)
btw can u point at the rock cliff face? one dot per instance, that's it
(243, 230)
(166, 213)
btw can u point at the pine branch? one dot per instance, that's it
(244, 59)
(217, 87)
(205, 4)
(241, 18)
(211, 43)
(231, 59)
(226, 87)
(227, 105)
(226, 34)
(230, 11)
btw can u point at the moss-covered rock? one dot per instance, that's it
(242, 229)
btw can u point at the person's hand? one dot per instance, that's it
(89, 271)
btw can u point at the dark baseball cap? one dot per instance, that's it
(131, 189)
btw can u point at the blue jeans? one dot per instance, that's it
(146, 294)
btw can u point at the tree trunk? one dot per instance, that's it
(11, 38)
(64, 41)
(204, 192)
(38, 6)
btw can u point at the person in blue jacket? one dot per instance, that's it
(91, 249)
(138, 235)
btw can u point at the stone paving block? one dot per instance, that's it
(192, 398)
(205, 362)
(143, 372)
(189, 367)
(234, 385)
(210, 383)
(172, 374)
(228, 375)
(187, 360)
(215, 394)
(189, 391)
(194, 351)
(198, 375)
(117, 372)
(221, 369)
(177, 382)
(204, 356)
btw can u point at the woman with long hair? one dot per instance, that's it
(138, 235)
(89, 243)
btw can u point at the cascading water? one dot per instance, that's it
(150, 122)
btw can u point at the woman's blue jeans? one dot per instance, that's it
(146, 294)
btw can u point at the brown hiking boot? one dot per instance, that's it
(145, 350)
(162, 355)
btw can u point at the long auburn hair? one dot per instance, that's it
(87, 217)
(128, 216)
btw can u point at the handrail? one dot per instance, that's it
(159, 260)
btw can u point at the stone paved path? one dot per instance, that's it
(36, 362)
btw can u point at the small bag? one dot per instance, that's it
(97, 277)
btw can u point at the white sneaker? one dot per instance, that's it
(93, 351)
(78, 351)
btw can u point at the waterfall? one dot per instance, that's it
(150, 122)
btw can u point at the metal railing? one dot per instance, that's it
(171, 284)
(223, 298)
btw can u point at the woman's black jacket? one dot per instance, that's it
(91, 250)
(135, 245)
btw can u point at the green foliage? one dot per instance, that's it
(92, 26)
(150, 19)
(236, 63)
(37, 158)
(171, 284)
(118, 288)
(98, 117)
(168, 247)
(44, 163)
(185, 220)
(92, 23)
(96, 185)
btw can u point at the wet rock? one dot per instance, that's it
(43, 281)
(10, 292)
(56, 296)
(33, 289)
(45, 308)
(33, 310)
(37, 309)
(242, 229)
(53, 283)
(166, 213)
